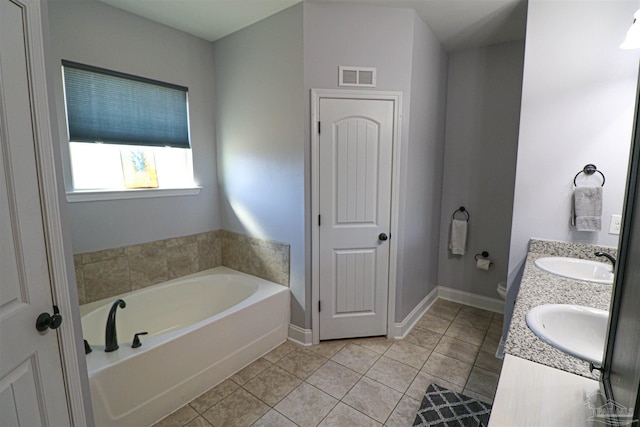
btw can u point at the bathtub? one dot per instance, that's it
(202, 329)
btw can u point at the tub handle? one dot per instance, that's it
(136, 339)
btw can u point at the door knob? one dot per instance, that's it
(382, 237)
(46, 321)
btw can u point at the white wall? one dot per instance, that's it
(90, 32)
(578, 102)
(483, 111)
(422, 173)
(260, 125)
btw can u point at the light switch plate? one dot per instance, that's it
(616, 224)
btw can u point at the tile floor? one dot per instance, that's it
(357, 382)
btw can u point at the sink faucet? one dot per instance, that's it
(607, 256)
(110, 336)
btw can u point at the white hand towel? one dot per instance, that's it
(588, 208)
(458, 236)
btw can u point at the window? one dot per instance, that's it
(126, 131)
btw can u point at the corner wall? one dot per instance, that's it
(91, 32)
(260, 140)
(483, 111)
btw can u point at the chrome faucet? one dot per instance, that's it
(110, 336)
(607, 256)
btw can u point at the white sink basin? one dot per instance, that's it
(579, 269)
(576, 330)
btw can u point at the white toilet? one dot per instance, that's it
(502, 290)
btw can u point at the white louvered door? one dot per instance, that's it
(356, 142)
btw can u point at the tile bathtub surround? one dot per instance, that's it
(110, 272)
(357, 382)
(539, 287)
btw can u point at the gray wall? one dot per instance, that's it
(260, 141)
(90, 32)
(483, 109)
(408, 59)
(578, 101)
(422, 173)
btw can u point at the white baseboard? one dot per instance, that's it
(491, 304)
(400, 330)
(300, 336)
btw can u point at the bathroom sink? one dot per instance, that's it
(576, 330)
(579, 269)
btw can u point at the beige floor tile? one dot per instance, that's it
(445, 313)
(334, 379)
(446, 304)
(490, 343)
(489, 362)
(301, 363)
(274, 418)
(467, 334)
(356, 357)
(328, 348)
(483, 382)
(214, 395)
(306, 405)
(471, 320)
(457, 349)
(480, 397)
(423, 337)
(179, 418)
(282, 350)
(238, 409)
(377, 344)
(394, 374)
(433, 323)
(404, 413)
(244, 375)
(407, 353)
(498, 318)
(343, 415)
(421, 382)
(272, 385)
(372, 398)
(198, 422)
(447, 368)
(467, 309)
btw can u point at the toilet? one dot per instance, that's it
(502, 290)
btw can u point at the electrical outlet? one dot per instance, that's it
(616, 224)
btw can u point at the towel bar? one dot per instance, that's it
(463, 210)
(589, 169)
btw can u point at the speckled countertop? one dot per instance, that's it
(539, 287)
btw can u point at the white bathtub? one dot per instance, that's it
(202, 329)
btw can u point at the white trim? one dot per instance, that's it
(142, 193)
(400, 330)
(396, 97)
(300, 336)
(59, 255)
(491, 304)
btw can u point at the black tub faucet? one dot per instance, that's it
(110, 335)
(607, 256)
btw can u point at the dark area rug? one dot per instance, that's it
(441, 407)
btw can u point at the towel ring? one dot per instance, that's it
(589, 169)
(463, 210)
(484, 254)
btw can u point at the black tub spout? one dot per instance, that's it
(110, 336)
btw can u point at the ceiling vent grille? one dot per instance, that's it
(357, 76)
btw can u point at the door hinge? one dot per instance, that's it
(319, 220)
(319, 128)
(319, 306)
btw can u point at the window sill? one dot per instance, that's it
(143, 193)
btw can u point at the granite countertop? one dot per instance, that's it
(539, 287)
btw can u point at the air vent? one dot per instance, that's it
(357, 76)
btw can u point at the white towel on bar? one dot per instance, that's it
(588, 208)
(458, 240)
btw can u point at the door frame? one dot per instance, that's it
(316, 96)
(59, 253)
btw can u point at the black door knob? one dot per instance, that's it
(382, 237)
(46, 321)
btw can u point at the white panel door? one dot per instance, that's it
(32, 390)
(356, 142)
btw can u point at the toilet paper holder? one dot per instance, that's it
(483, 254)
